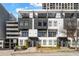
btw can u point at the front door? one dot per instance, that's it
(63, 42)
(33, 42)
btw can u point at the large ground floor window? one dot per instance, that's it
(52, 33)
(42, 33)
(44, 42)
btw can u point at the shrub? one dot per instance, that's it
(25, 46)
(58, 46)
(38, 46)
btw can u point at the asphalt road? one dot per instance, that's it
(11, 53)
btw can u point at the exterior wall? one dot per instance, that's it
(1, 45)
(54, 44)
(61, 32)
(23, 20)
(4, 16)
(36, 20)
(12, 33)
(60, 6)
(78, 23)
(52, 23)
(23, 39)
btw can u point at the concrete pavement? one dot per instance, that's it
(36, 52)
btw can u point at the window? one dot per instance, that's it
(26, 23)
(50, 42)
(73, 42)
(55, 42)
(44, 23)
(48, 5)
(77, 15)
(21, 42)
(78, 42)
(65, 5)
(59, 5)
(53, 5)
(62, 5)
(51, 15)
(55, 23)
(44, 42)
(21, 24)
(39, 23)
(25, 15)
(44, 5)
(39, 41)
(24, 33)
(42, 15)
(42, 33)
(68, 5)
(69, 15)
(0, 43)
(50, 23)
(52, 33)
(75, 5)
(56, 5)
(78, 23)
(71, 5)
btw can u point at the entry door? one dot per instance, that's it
(61, 42)
(64, 43)
(33, 43)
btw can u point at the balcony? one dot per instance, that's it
(11, 24)
(13, 29)
(11, 37)
(14, 33)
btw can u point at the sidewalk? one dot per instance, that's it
(43, 50)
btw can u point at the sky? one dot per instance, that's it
(12, 6)
(15, 7)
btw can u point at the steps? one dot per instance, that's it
(32, 49)
(65, 49)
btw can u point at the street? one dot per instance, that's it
(11, 53)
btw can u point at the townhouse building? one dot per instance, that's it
(48, 26)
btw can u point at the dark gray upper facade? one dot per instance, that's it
(40, 23)
(25, 23)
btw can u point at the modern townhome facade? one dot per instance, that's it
(48, 26)
(4, 16)
(39, 27)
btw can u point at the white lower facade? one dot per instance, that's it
(22, 41)
(44, 42)
(1, 43)
(48, 41)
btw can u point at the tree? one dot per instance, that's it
(70, 24)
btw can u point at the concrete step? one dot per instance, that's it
(66, 49)
(32, 49)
